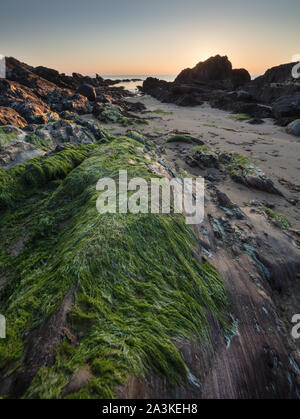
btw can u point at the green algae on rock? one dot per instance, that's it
(275, 216)
(9, 133)
(136, 285)
(112, 113)
(20, 181)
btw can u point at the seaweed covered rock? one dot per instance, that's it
(21, 177)
(10, 133)
(97, 304)
(109, 113)
(240, 168)
(203, 158)
(18, 146)
(74, 131)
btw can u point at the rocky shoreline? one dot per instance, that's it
(274, 95)
(141, 305)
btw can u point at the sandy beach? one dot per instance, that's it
(271, 148)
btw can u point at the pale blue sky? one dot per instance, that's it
(142, 37)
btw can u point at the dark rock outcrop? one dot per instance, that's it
(276, 82)
(216, 71)
(193, 86)
(287, 108)
(29, 94)
(88, 91)
(276, 94)
(240, 103)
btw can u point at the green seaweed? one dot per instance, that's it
(276, 216)
(161, 112)
(206, 150)
(7, 137)
(21, 181)
(206, 124)
(112, 113)
(139, 287)
(241, 116)
(241, 164)
(38, 142)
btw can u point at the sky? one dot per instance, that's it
(149, 36)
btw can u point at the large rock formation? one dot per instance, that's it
(276, 82)
(29, 94)
(24, 101)
(275, 94)
(216, 71)
(193, 86)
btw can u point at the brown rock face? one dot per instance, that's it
(9, 116)
(22, 99)
(34, 92)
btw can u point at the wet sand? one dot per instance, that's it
(272, 149)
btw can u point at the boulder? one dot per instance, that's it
(88, 91)
(157, 88)
(294, 128)
(65, 100)
(76, 132)
(240, 77)
(287, 108)
(34, 113)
